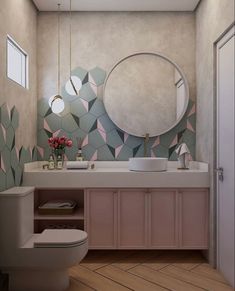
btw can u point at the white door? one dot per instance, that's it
(225, 156)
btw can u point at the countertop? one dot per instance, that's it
(115, 174)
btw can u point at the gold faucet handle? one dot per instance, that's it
(146, 140)
(146, 137)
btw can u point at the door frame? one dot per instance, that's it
(215, 140)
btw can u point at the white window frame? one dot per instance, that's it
(12, 42)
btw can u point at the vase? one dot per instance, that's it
(59, 158)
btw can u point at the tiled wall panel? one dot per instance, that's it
(85, 117)
(12, 159)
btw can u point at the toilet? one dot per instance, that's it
(35, 262)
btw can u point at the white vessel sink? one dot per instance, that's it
(148, 164)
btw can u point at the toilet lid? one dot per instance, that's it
(60, 238)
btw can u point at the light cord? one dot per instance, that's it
(58, 49)
(70, 37)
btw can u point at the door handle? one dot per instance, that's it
(220, 172)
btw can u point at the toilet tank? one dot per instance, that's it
(16, 217)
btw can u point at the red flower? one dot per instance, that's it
(59, 142)
(69, 143)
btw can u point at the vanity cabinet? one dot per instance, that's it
(147, 218)
(101, 218)
(163, 219)
(137, 218)
(194, 208)
(132, 219)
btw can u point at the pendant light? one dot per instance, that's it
(56, 101)
(74, 83)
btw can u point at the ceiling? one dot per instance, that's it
(118, 5)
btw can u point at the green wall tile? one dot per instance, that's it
(5, 115)
(97, 108)
(43, 107)
(40, 122)
(104, 154)
(10, 137)
(160, 151)
(10, 179)
(2, 138)
(88, 151)
(86, 122)
(77, 108)
(14, 159)
(98, 75)
(53, 121)
(80, 73)
(95, 139)
(43, 136)
(18, 175)
(167, 138)
(68, 123)
(189, 137)
(114, 139)
(6, 157)
(14, 118)
(34, 154)
(25, 156)
(107, 123)
(125, 153)
(71, 153)
(2, 180)
(87, 93)
(133, 141)
(78, 133)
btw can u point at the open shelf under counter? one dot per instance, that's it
(77, 215)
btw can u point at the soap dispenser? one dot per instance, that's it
(79, 156)
(183, 156)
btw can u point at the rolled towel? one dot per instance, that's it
(77, 164)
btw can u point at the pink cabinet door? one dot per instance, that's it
(194, 218)
(163, 219)
(101, 218)
(132, 219)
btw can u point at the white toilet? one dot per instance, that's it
(35, 262)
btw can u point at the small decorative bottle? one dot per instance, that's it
(59, 162)
(79, 156)
(51, 162)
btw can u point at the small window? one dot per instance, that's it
(17, 63)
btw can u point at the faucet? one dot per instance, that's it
(146, 140)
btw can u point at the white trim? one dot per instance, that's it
(10, 40)
(219, 44)
(121, 5)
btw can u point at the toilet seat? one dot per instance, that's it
(60, 238)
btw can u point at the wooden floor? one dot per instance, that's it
(145, 271)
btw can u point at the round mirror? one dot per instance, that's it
(146, 93)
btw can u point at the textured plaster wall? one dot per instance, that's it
(102, 38)
(18, 18)
(213, 17)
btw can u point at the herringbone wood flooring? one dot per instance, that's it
(145, 271)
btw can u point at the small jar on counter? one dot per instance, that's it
(59, 162)
(51, 162)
